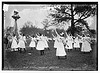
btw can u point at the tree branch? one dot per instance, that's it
(68, 8)
(75, 13)
(81, 16)
(67, 13)
(88, 15)
(85, 17)
(57, 33)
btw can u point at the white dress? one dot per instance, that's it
(40, 43)
(24, 37)
(32, 43)
(60, 51)
(21, 43)
(56, 43)
(14, 42)
(76, 43)
(45, 39)
(69, 43)
(86, 47)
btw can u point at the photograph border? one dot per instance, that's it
(46, 3)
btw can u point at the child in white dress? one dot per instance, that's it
(69, 43)
(21, 44)
(45, 39)
(86, 46)
(59, 45)
(76, 43)
(56, 42)
(40, 44)
(14, 45)
(33, 43)
(60, 51)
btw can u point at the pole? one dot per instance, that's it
(16, 17)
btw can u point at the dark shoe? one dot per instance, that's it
(43, 52)
(58, 57)
(31, 48)
(65, 56)
(20, 51)
(24, 49)
(48, 48)
(40, 52)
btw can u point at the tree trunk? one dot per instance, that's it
(16, 29)
(72, 21)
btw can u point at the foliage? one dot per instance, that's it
(29, 29)
(74, 13)
(8, 31)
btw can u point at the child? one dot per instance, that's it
(86, 47)
(40, 44)
(60, 51)
(24, 38)
(69, 43)
(59, 45)
(32, 43)
(21, 44)
(45, 39)
(76, 43)
(14, 45)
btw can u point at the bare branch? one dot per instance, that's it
(84, 13)
(68, 7)
(88, 15)
(75, 13)
(67, 13)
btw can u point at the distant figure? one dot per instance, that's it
(6, 42)
(40, 44)
(14, 44)
(9, 41)
(24, 37)
(32, 43)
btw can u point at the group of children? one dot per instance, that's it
(40, 43)
(18, 44)
(60, 43)
(80, 42)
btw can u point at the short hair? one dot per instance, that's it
(13, 34)
(33, 36)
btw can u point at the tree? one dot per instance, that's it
(46, 23)
(9, 31)
(29, 29)
(76, 14)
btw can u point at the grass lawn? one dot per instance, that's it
(32, 60)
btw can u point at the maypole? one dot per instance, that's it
(16, 17)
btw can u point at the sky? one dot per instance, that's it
(33, 13)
